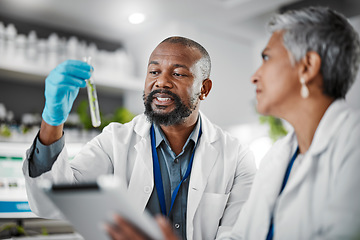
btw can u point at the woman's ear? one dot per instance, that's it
(205, 88)
(310, 66)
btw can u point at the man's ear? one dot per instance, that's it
(205, 88)
(310, 66)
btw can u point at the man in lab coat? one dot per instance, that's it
(212, 170)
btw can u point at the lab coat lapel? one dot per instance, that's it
(272, 173)
(141, 182)
(300, 175)
(205, 157)
(204, 160)
(326, 130)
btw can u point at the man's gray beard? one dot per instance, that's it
(175, 117)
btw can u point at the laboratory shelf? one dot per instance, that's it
(102, 78)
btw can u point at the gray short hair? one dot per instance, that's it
(205, 61)
(329, 34)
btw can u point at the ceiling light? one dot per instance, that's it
(136, 18)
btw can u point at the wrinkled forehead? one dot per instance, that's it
(175, 51)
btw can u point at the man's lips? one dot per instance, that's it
(162, 99)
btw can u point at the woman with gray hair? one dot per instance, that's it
(308, 184)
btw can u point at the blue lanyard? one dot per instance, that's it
(157, 173)
(286, 177)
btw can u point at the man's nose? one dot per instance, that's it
(163, 81)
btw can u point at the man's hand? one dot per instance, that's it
(61, 88)
(122, 230)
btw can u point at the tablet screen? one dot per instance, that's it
(88, 206)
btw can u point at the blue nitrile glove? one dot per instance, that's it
(61, 88)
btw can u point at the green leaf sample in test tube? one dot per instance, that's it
(93, 100)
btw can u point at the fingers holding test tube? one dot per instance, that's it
(61, 89)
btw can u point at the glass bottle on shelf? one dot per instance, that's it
(2, 37)
(72, 45)
(53, 50)
(20, 49)
(10, 35)
(32, 49)
(42, 55)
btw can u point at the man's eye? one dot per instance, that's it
(179, 75)
(153, 72)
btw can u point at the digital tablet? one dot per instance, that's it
(88, 206)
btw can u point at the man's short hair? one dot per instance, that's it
(204, 62)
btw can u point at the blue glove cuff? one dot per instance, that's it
(49, 119)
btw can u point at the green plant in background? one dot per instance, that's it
(276, 129)
(24, 129)
(13, 230)
(5, 130)
(44, 231)
(121, 115)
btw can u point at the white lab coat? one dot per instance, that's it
(220, 181)
(322, 199)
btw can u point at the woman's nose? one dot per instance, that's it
(255, 77)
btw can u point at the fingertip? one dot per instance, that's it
(106, 227)
(160, 217)
(117, 218)
(161, 220)
(79, 64)
(71, 62)
(83, 83)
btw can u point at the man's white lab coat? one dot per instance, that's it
(322, 199)
(220, 180)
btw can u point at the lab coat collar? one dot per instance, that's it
(274, 164)
(142, 180)
(160, 135)
(209, 131)
(326, 130)
(205, 158)
(328, 126)
(143, 129)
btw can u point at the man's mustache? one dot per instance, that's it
(168, 92)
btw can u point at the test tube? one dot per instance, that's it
(93, 100)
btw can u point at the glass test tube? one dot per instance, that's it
(93, 100)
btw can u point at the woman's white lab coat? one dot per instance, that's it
(220, 180)
(322, 199)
